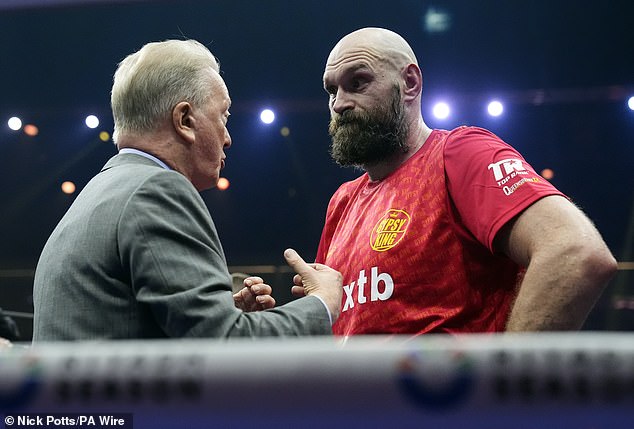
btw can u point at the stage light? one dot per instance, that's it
(441, 110)
(436, 20)
(495, 108)
(630, 103)
(15, 123)
(547, 173)
(285, 132)
(104, 136)
(223, 184)
(92, 121)
(267, 116)
(31, 130)
(68, 187)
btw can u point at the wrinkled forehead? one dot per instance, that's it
(354, 57)
(373, 49)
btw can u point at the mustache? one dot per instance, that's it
(347, 118)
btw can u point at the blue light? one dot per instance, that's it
(267, 116)
(495, 108)
(441, 110)
(15, 123)
(92, 121)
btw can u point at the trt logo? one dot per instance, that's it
(508, 165)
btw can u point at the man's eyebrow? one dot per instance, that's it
(350, 70)
(356, 67)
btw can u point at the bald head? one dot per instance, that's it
(366, 62)
(378, 44)
(374, 86)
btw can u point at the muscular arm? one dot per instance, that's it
(567, 265)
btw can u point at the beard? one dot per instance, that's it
(370, 137)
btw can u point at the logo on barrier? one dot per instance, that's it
(436, 388)
(20, 395)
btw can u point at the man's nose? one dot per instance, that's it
(228, 140)
(342, 102)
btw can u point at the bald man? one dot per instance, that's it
(446, 231)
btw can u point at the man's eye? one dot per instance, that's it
(358, 84)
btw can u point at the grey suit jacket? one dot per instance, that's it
(137, 255)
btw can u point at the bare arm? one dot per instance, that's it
(567, 265)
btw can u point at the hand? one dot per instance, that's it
(4, 343)
(316, 279)
(254, 296)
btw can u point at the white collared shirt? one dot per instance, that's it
(146, 155)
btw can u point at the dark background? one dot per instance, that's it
(565, 69)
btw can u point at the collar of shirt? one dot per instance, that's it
(146, 155)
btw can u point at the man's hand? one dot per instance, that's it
(254, 296)
(316, 279)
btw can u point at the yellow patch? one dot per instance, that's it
(389, 230)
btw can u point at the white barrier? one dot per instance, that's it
(579, 380)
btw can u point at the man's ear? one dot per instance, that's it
(183, 121)
(413, 79)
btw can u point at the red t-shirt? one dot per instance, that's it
(416, 248)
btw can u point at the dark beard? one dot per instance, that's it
(368, 138)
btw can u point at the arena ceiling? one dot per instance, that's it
(565, 69)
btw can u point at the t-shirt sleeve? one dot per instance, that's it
(489, 181)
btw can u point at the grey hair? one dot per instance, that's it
(150, 82)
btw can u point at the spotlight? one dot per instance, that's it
(436, 20)
(630, 103)
(15, 123)
(31, 130)
(92, 121)
(267, 116)
(547, 173)
(441, 110)
(223, 184)
(68, 187)
(495, 108)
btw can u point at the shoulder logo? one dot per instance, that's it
(511, 174)
(503, 170)
(389, 230)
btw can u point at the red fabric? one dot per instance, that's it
(489, 181)
(410, 265)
